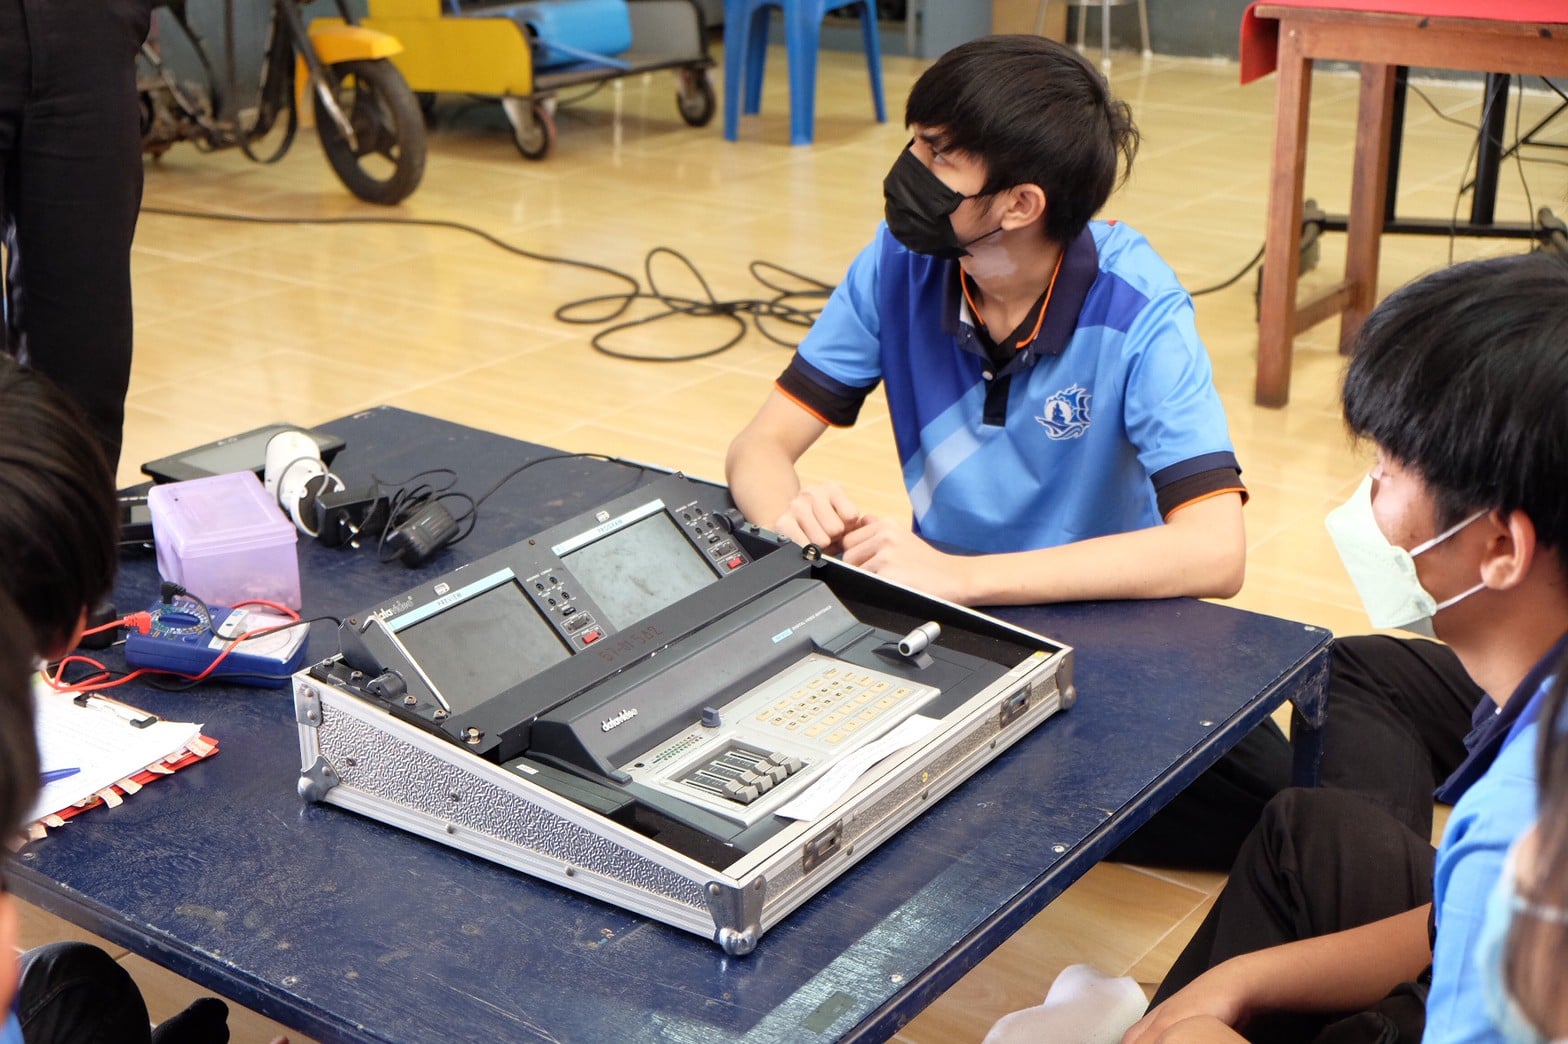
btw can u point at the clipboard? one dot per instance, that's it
(117, 749)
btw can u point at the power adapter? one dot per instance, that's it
(425, 532)
(342, 516)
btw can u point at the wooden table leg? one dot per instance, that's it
(1282, 238)
(1368, 198)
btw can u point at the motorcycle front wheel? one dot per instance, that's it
(386, 160)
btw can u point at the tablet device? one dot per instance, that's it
(244, 452)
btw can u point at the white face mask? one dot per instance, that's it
(1385, 574)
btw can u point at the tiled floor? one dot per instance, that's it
(239, 325)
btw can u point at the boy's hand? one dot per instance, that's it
(893, 552)
(821, 515)
(1214, 996)
(1201, 1029)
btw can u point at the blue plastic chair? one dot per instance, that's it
(746, 49)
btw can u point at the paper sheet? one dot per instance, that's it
(825, 792)
(99, 741)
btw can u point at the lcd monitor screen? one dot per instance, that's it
(636, 571)
(483, 646)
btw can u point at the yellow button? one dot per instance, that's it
(835, 737)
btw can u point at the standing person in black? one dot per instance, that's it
(70, 190)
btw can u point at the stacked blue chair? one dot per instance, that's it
(746, 48)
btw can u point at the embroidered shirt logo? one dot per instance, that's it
(1066, 414)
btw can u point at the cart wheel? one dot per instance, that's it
(427, 104)
(533, 126)
(694, 97)
(387, 158)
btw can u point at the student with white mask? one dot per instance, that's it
(1338, 923)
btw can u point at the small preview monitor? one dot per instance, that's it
(481, 646)
(636, 570)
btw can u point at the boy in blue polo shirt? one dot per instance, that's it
(1054, 408)
(1335, 910)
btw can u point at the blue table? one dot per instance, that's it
(346, 929)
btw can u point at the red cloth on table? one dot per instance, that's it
(1260, 36)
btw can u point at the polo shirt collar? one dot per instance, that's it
(1492, 728)
(1079, 269)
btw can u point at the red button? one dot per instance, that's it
(735, 563)
(589, 637)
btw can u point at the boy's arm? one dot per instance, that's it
(1346, 971)
(1202, 1029)
(1200, 551)
(760, 470)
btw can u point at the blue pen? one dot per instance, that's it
(54, 774)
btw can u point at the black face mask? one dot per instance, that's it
(919, 209)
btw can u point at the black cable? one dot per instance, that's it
(510, 475)
(411, 495)
(1439, 113)
(252, 219)
(735, 311)
(1249, 266)
(778, 307)
(1464, 175)
(1529, 201)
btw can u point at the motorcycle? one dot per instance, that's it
(369, 122)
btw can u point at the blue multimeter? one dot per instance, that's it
(184, 640)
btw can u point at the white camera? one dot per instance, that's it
(296, 476)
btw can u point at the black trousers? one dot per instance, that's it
(1320, 861)
(70, 190)
(1398, 713)
(73, 993)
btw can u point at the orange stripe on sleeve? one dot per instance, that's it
(1206, 496)
(780, 389)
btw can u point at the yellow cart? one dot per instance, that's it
(492, 51)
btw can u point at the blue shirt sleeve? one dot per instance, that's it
(1171, 409)
(13, 1030)
(1493, 812)
(845, 342)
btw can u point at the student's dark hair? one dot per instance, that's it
(1035, 112)
(18, 749)
(1462, 376)
(1533, 960)
(59, 521)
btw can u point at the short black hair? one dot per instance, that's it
(1034, 111)
(1462, 376)
(59, 520)
(18, 748)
